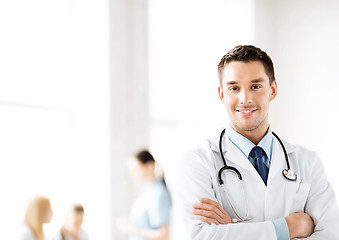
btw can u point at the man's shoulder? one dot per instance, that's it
(202, 151)
(299, 151)
(198, 151)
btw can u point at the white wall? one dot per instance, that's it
(129, 98)
(302, 38)
(90, 61)
(54, 111)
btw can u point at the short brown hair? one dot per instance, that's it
(247, 53)
(78, 208)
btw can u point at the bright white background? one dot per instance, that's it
(54, 105)
(69, 118)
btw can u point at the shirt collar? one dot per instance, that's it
(245, 145)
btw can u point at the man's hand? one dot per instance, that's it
(211, 212)
(300, 225)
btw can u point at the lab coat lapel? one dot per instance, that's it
(235, 157)
(278, 162)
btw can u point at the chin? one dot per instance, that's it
(247, 127)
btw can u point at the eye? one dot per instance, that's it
(256, 86)
(233, 88)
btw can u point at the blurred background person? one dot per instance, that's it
(72, 228)
(38, 212)
(150, 212)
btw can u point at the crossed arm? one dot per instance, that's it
(300, 225)
(208, 220)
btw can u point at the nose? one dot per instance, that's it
(245, 97)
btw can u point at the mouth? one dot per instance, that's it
(246, 112)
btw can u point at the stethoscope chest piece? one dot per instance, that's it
(289, 174)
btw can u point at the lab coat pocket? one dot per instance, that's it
(296, 196)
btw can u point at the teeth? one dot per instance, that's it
(245, 111)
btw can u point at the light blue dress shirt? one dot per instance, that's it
(266, 143)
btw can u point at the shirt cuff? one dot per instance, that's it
(281, 229)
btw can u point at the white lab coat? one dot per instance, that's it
(280, 198)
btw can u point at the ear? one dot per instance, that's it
(221, 93)
(274, 90)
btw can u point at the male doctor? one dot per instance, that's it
(258, 198)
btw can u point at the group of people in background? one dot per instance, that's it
(39, 212)
(149, 215)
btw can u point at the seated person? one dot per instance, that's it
(72, 228)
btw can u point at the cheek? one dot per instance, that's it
(230, 102)
(267, 99)
(133, 168)
(262, 98)
(78, 220)
(48, 216)
(139, 172)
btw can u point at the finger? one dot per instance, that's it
(211, 202)
(209, 220)
(210, 208)
(214, 203)
(197, 205)
(208, 214)
(208, 200)
(204, 206)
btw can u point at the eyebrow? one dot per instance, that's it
(257, 80)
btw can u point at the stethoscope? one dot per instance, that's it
(287, 173)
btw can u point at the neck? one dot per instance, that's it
(255, 135)
(152, 178)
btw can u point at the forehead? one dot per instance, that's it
(79, 214)
(237, 71)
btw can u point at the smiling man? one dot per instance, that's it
(246, 183)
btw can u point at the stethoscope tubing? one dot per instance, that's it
(226, 167)
(287, 173)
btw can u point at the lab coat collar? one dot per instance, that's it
(246, 145)
(231, 152)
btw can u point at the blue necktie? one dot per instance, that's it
(258, 155)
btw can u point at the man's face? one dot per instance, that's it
(78, 219)
(246, 93)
